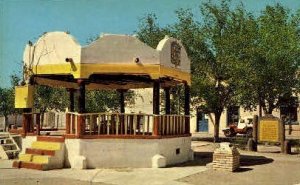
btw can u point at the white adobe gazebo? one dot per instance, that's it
(92, 140)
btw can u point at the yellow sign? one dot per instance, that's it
(24, 96)
(269, 130)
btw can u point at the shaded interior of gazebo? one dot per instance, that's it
(115, 62)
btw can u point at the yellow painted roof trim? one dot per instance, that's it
(83, 71)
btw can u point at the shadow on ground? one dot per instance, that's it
(203, 158)
(200, 159)
(249, 160)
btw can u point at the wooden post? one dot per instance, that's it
(24, 124)
(167, 100)
(187, 107)
(255, 128)
(156, 96)
(122, 100)
(282, 134)
(68, 122)
(156, 102)
(252, 142)
(38, 123)
(122, 109)
(71, 99)
(156, 126)
(80, 123)
(287, 147)
(81, 97)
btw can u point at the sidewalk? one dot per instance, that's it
(122, 176)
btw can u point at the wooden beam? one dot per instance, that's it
(122, 100)
(71, 99)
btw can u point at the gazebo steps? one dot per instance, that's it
(29, 165)
(45, 154)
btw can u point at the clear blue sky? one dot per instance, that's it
(24, 20)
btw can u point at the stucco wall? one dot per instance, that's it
(164, 47)
(26, 142)
(126, 152)
(116, 49)
(52, 48)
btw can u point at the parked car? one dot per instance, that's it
(244, 126)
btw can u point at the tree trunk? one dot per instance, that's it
(217, 127)
(270, 109)
(42, 120)
(6, 123)
(260, 108)
(16, 120)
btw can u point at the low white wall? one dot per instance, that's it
(26, 142)
(126, 152)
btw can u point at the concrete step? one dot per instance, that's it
(25, 157)
(46, 151)
(57, 139)
(29, 165)
(40, 151)
(43, 145)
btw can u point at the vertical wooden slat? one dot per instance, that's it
(163, 125)
(38, 123)
(148, 124)
(117, 123)
(183, 120)
(68, 120)
(177, 124)
(134, 120)
(74, 122)
(171, 125)
(144, 124)
(125, 121)
(108, 124)
(78, 126)
(99, 123)
(90, 124)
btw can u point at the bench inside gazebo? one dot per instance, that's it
(107, 139)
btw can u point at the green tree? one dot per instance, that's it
(218, 49)
(105, 100)
(272, 72)
(7, 99)
(48, 98)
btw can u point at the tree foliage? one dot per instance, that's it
(235, 57)
(275, 60)
(7, 99)
(105, 100)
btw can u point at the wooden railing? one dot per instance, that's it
(91, 125)
(31, 125)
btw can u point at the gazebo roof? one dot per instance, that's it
(110, 62)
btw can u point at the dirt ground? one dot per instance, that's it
(267, 167)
